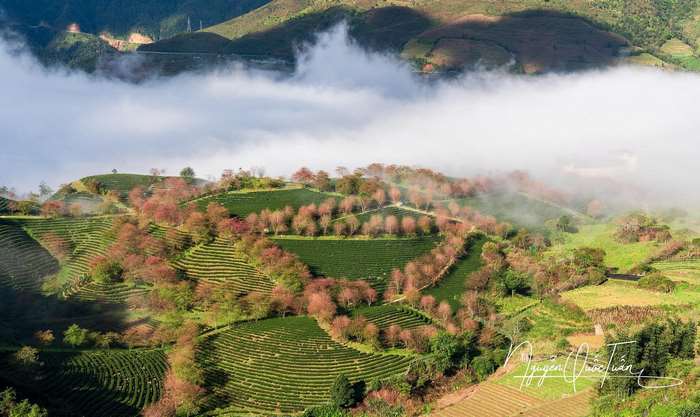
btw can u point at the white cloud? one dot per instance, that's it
(344, 106)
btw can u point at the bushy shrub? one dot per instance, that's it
(342, 393)
(105, 271)
(482, 366)
(656, 282)
(325, 411)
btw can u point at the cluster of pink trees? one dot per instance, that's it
(182, 388)
(470, 219)
(163, 204)
(322, 296)
(360, 330)
(426, 270)
(356, 329)
(320, 180)
(58, 208)
(309, 219)
(429, 182)
(417, 338)
(283, 267)
(203, 226)
(312, 220)
(137, 255)
(242, 179)
(441, 312)
(140, 255)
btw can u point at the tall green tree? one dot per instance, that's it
(187, 173)
(342, 394)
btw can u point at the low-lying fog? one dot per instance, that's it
(346, 107)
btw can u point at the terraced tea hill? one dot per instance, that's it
(491, 400)
(451, 287)
(242, 203)
(98, 383)
(111, 293)
(24, 263)
(122, 183)
(4, 205)
(219, 263)
(399, 212)
(391, 314)
(283, 365)
(88, 238)
(370, 259)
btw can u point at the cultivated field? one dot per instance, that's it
(369, 259)
(95, 383)
(111, 293)
(491, 400)
(218, 263)
(548, 388)
(242, 203)
(4, 205)
(391, 314)
(688, 271)
(399, 212)
(452, 285)
(24, 264)
(578, 405)
(281, 366)
(122, 183)
(88, 238)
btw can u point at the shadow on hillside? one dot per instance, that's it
(386, 28)
(22, 313)
(215, 378)
(538, 40)
(61, 384)
(381, 29)
(534, 41)
(189, 43)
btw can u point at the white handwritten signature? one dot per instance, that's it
(580, 364)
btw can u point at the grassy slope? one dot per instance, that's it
(123, 183)
(88, 237)
(432, 32)
(617, 293)
(516, 208)
(648, 27)
(688, 271)
(155, 18)
(550, 388)
(619, 255)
